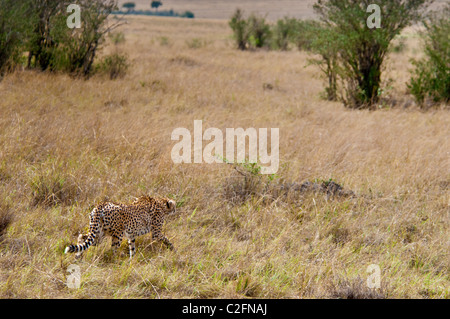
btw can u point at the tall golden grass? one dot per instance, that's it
(67, 144)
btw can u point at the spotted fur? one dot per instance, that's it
(144, 215)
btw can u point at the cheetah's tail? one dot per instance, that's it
(81, 247)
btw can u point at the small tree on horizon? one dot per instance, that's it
(129, 5)
(156, 4)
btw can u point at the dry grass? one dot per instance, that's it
(66, 144)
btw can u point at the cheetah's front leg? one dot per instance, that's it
(132, 246)
(115, 243)
(162, 238)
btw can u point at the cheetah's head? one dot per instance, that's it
(169, 205)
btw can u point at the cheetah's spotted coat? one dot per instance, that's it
(144, 215)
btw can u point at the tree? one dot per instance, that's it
(156, 4)
(362, 50)
(129, 5)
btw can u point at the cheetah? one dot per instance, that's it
(145, 214)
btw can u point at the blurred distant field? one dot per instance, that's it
(224, 9)
(219, 9)
(67, 144)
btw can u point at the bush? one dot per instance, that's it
(77, 48)
(40, 43)
(248, 184)
(304, 33)
(240, 29)
(252, 32)
(188, 14)
(430, 80)
(283, 33)
(259, 31)
(13, 28)
(323, 44)
(362, 50)
(115, 65)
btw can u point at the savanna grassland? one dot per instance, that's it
(217, 9)
(67, 144)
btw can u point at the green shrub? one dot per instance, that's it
(40, 42)
(362, 50)
(259, 31)
(52, 45)
(77, 48)
(13, 29)
(283, 33)
(241, 33)
(321, 41)
(250, 182)
(304, 33)
(252, 32)
(114, 65)
(188, 14)
(430, 80)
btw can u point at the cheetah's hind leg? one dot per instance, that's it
(82, 238)
(132, 247)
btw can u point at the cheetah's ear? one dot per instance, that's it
(171, 204)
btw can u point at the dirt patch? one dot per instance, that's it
(330, 188)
